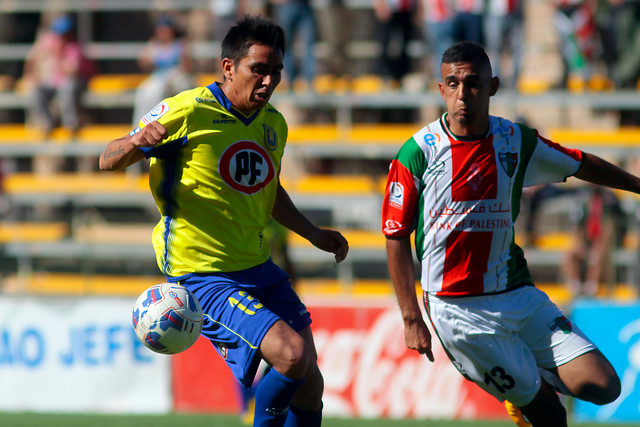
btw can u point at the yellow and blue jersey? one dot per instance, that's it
(214, 180)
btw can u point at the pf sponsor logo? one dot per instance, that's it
(396, 195)
(157, 112)
(246, 167)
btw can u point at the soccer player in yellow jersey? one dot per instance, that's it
(215, 155)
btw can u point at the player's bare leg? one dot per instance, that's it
(309, 395)
(294, 377)
(306, 406)
(285, 350)
(545, 410)
(591, 377)
(588, 377)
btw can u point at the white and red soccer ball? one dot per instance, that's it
(167, 318)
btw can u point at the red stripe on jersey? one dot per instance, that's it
(575, 154)
(475, 174)
(465, 262)
(400, 200)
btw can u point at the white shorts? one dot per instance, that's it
(499, 341)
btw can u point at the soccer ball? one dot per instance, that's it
(167, 318)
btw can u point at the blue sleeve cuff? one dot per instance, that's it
(165, 150)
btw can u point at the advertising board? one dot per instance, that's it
(60, 354)
(615, 328)
(367, 369)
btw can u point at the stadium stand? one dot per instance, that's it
(342, 136)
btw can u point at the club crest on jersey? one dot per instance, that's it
(157, 112)
(562, 324)
(509, 162)
(222, 350)
(246, 167)
(270, 137)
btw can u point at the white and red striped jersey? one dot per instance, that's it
(462, 197)
(469, 6)
(437, 10)
(504, 7)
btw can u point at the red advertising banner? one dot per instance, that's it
(368, 371)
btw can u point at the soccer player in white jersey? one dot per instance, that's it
(457, 184)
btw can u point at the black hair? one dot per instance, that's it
(250, 30)
(466, 51)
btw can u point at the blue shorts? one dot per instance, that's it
(240, 307)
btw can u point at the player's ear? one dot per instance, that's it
(227, 68)
(495, 84)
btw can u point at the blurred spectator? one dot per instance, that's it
(224, 14)
(596, 221)
(333, 24)
(297, 19)
(56, 69)
(437, 26)
(504, 32)
(396, 28)
(15, 28)
(468, 21)
(574, 20)
(533, 200)
(606, 17)
(166, 57)
(626, 26)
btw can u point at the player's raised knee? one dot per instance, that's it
(610, 392)
(286, 351)
(601, 392)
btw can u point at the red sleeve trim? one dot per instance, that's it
(571, 152)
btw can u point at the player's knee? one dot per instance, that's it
(293, 358)
(601, 392)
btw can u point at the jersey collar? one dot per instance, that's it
(224, 102)
(445, 126)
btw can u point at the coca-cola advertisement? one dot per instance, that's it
(367, 369)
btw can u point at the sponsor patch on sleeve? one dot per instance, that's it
(391, 226)
(157, 112)
(396, 195)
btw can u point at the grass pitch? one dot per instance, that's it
(192, 420)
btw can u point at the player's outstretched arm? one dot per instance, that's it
(598, 171)
(123, 152)
(287, 214)
(416, 334)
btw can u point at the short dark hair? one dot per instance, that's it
(250, 30)
(466, 51)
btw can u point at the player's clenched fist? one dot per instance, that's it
(150, 135)
(126, 151)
